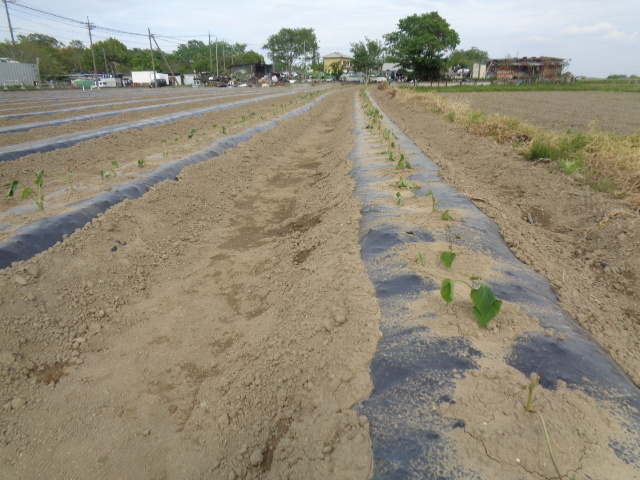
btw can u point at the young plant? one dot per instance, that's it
(224, 130)
(141, 162)
(448, 257)
(420, 259)
(446, 216)
(434, 202)
(190, 136)
(165, 152)
(68, 179)
(402, 183)
(485, 305)
(35, 194)
(403, 163)
(114, 167)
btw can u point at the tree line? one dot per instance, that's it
(424, 45)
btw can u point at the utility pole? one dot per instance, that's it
(165, 60)
(217, 74)
(13, 40)
(210, 60)
(153, 63)
(93, 55)
(104, 55)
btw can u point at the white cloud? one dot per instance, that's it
(596, 29)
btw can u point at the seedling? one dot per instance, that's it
(68, 179)
(433, 200)
(485, 305)
(448, 257)
(402, 183)
(141, 162)
(224, 130)
(403, 163)
(399, 201)
(165, 152)
(35, 195)
(391, 159)
(446, 216)
(420, 259)
(535, 381)
(190, 136)
(114, 165)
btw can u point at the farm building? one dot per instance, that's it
(257, 70)
(344, 60)
(526, 68)
(14, 73)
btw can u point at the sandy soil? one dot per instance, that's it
(222, 326)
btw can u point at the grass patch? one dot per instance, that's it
(606, 161)
(582, 86)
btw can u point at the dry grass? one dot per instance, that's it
(607, 161)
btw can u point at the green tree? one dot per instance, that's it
(466, 58)
(336, 70)
(421, 43)
(368, 56)
(290, 45)
(71, 56)
(111, 56)
(193, 56)
(42, 49)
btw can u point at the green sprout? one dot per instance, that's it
(35, 194)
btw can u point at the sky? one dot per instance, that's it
(599, 38)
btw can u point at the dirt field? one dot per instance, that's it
(561, 111)
(222, 326)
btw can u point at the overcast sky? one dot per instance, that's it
(599, 37)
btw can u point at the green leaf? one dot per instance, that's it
(446, 216)
(13, 187)
(26, 192)
(447, 258)
(446, 290)
(420, 259)
(399, 201)
(485, 305)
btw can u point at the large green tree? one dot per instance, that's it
(41, 49)
(290, 45)
(368, 56)
(421, 43)
(111, 56)
(466, 58)
(71, 56)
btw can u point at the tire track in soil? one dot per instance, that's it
(227, 336)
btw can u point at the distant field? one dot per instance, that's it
(561, 110)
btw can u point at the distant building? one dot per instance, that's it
(526, 68)
(15, 73)
(256, 70)
(344, 60)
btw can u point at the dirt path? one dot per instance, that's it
(219, 327)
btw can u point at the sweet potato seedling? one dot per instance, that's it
(35, 194)
(399, 201)
(68, 179)
(420, 259)
(485, 305)
(446, 215)
(141, 161)
(402, 183)
(403, 163)
(449, 256)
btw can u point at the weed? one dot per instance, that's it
(35, 195)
